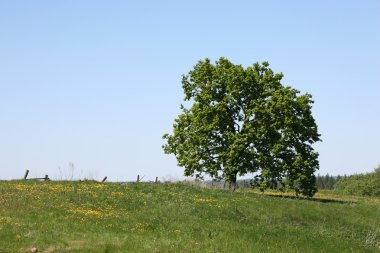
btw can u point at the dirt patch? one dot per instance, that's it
(75, 244)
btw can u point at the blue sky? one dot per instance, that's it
(97, 83)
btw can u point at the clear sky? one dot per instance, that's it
(97, 83)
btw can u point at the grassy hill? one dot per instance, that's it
(109, 217)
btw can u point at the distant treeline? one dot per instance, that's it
(323, 182)
(328, 181)
(367, 184)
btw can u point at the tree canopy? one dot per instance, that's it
(243, 120)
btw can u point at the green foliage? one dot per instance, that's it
(244, 120)
(327, 182)
(361, 184)
(93, 217)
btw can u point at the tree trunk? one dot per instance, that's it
(232, 183)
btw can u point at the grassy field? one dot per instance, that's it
(109, 217)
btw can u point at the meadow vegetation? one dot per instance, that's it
(87, 216)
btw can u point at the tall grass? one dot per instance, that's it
(109, 217)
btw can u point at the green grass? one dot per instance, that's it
(95, 217)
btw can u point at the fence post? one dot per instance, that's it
(26, 174)
(138, 178)
(156, 180)
(104, 179)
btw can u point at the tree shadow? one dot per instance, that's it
(323, 200)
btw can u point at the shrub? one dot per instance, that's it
(361, 184)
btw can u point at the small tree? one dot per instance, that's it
(244, 120)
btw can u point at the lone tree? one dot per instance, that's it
(243, 120)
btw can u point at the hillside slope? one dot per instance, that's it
(109, 217)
